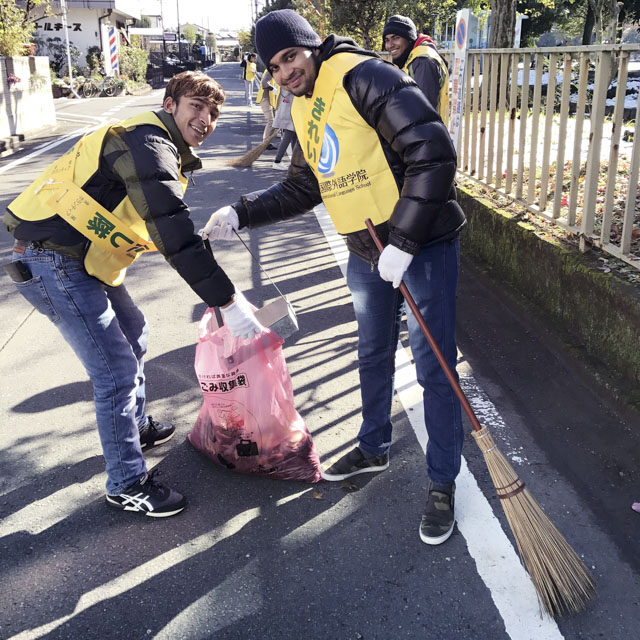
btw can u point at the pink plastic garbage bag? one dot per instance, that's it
(248, 421)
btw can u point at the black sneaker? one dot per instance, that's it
(438, 520)
(150, 497)
(353, 463)
(154, 433)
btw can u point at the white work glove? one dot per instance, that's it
(240, 319)
(392, 264)
(221, 225)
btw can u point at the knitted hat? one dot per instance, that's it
(400, 26)
(279, 30)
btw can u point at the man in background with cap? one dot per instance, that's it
(416, 55)
(372, 146)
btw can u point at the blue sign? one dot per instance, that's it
(461, 33)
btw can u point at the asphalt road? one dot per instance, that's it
(252, 558)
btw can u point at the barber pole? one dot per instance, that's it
(113, 49)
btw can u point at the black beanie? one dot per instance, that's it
(400, 26)
(280, 30)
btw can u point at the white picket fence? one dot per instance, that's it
(538, 127)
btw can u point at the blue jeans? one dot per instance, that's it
(109, 335)
(432, 279)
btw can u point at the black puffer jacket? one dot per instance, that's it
(142, 162)
(416, 145)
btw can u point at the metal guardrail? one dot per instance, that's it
(537, 128)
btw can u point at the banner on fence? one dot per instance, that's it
(460, 46)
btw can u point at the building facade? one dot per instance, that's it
(90, 23)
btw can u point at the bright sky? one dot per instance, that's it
(213, 14)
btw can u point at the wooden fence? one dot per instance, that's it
(549, 128)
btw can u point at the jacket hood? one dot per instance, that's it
(421, 39)
(424, 39)
(189, 160)
(339, 44)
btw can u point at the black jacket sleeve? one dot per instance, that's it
(426, 73)
(147, 162)
(297, 193)
(418, 148)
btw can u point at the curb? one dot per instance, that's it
(598, 313)
(10, 144)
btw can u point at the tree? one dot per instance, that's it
(426, 14)
(317, 13)
(144, 22)
(245, 39)
(362, 18)
(503, 24)
(94, 58)
(17, 24)
(133, 62)
(210, 41)
(189, 33)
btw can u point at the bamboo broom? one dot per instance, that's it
(560, 578)
(252, 155)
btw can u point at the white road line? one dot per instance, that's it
(96, 122)
(73, 117)
(47, 147)
(496, 560)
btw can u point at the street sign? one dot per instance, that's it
(458, 76)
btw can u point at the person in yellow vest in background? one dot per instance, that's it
(116, 194)
(267, 98)
(372, 146)
(249, 75)
(417, 55)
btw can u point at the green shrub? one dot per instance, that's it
(133, 62)
(94, 58)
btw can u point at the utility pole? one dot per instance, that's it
(164, 45)
(63, 6)
(179, 36)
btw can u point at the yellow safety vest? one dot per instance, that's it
(343, 151)
(273, 95)
(424, 51)
(250, 71)
(118, 237)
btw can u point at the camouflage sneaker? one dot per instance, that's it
(438, 519)
(353, 463)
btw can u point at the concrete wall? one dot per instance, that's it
(27, 105)
(597, 313)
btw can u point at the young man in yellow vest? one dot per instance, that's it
(249, 75)
(267, 98)
(372, 146)
(116, 194)
(416, 55)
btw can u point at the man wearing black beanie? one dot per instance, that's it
(416, 54)
(372, 146)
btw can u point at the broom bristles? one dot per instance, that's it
(252, 155)
(560, 578)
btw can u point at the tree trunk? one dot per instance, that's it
(503, 24)
(612, 27)
(622, 16)
(589, 21)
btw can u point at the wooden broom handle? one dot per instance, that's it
(475, 423)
